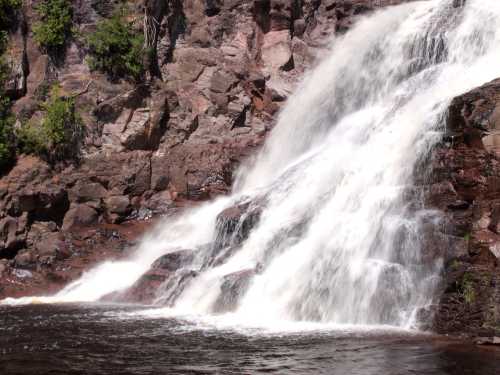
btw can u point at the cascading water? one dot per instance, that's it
(338, 239)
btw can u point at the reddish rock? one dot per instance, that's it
(147, 289)
(79, 215)
(465, 188)
(235, 223)
(232, 288)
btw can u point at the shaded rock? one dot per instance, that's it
(10, 241)
(85, 191)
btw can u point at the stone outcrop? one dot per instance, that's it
(165, 279)
(466, 188)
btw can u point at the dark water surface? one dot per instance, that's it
(72, 339)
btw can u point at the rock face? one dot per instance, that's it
(220, 73)
(165, 275)
(466, 187)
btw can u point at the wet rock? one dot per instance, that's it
(22, 274)
(233, 225)
(465, 188)
(174, 261)
(145, 290)
(232, 288)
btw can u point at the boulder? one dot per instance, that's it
(117, 208)
(232, 288)
(10, 240)
(79, 215)
(233, 225)
(52, 247)
(168, 269)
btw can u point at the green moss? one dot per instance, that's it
(57, 136)
(116, 49)
(6, 133)
(466, 288)
(455, 265)
(54, 29)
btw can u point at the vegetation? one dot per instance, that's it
(466, 289)
(6, 124)
(56, 137)
(116, 49)
(52, 32)
(7, 10)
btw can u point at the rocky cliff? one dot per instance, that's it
(466, 188)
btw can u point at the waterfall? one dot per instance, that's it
(339, 234)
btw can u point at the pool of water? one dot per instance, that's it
(96, 339)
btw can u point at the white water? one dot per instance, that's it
(339, 238)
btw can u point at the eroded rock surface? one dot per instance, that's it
(466, 188)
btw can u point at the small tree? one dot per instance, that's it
(52, 32)
(59, 133)
(116, 49)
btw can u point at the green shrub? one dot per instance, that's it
(116, 49)
(52, 32)
(57, 136)
(6, 133)
(6, 118)
(7, 10)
